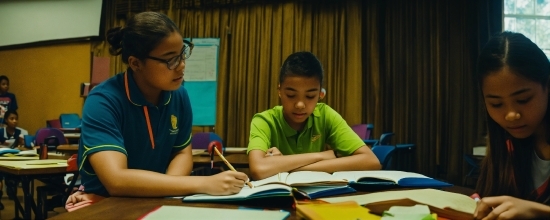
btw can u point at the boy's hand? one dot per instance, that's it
(226, 183)
(507, 207)
(274, 151)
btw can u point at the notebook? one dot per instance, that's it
(444, 204)
(247, 193)
(183, 212)
(4, 150)
(389, 177)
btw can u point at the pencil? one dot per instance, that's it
(230, 166)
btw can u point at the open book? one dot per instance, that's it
(309, 184)
(445, 204)
(389, 177)
(247, 193)
(302, 184)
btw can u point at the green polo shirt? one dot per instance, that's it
(324, 126)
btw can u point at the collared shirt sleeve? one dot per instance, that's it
(340, 135)
(186, 123)
(260, 134)
(101, 129)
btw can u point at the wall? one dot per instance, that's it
(46, 80)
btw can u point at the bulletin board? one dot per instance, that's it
(201, 80)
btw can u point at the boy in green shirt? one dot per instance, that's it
(292, 137)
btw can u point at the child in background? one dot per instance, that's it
(10, 135)
(292, 137)
(136, 126)
(514, 75)
(7, 99)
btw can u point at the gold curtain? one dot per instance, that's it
(423, 89)
(405, 66)
(255, 40)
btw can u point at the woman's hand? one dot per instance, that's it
(225, 183)
(507, 207)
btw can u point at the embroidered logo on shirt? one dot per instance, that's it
(174, 121)
(315, 137)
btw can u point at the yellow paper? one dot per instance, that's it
(345, 210)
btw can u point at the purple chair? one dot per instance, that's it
(52, 137)
(361, 130)
(201, 140)
(364, 131)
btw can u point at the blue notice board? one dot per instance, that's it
(201, 80)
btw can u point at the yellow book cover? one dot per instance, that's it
(342, 210)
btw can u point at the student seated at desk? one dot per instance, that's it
(136, 126)
(514, 179)
(11, 135)
(292, 137)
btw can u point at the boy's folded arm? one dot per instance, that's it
(361, 159)
(262, 167)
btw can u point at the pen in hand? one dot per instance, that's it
(230, 166)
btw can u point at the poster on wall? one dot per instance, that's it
(201, 80)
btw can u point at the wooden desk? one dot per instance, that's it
(72, 135)
(68, 149)
(26, 171)
(237, 160)
(133, 208)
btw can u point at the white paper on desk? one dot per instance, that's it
(183, 212)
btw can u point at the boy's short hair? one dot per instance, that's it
(7, 113)
(302, 64)
(3, 77)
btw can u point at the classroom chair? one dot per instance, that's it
(29, 140)
(54, 123)
(52, 137)
(201, 140)
(361, 130)
(70, 120)
(403, 152)
(384, 154)
(365, 133)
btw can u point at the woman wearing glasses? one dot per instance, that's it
(136, 126)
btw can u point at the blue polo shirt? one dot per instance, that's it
(116, 117)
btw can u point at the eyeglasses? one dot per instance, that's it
(175, 61)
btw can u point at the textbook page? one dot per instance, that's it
(432, 197)
(245, 192)
(183, 212)
(391, 175)
(307, 178)
(277, 178)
